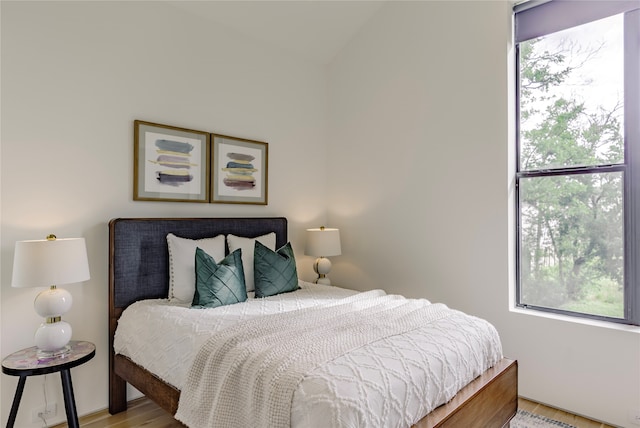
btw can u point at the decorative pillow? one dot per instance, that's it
(218, 284)
(182, 252)
(275, 271)
(247, 245)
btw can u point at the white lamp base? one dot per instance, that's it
(52, 337)
(53, 302)
(322, 266)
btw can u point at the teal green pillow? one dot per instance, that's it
(274, 271)
(218, 284)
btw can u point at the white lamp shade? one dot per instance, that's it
(323, 242)
(43, 263)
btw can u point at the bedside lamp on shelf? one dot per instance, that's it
(323, 243)
(48, 263)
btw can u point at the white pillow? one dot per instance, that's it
(182, 264)
(248, 245)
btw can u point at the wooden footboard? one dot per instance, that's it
(491, 400)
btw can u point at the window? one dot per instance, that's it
(578, 158)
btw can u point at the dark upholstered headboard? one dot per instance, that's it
(138, 254)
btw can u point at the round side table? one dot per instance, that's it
(26, 363)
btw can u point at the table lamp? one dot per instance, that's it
(322, 243)
(48, 263)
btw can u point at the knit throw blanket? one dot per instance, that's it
(246, 375)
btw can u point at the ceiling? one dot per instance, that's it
(315, 30)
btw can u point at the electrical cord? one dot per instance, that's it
(46, 403)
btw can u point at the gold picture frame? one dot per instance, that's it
(239, 170)
(170, 163)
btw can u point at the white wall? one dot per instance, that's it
(74, 77)
(417, 175)
(419, 138)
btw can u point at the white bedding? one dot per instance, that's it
(391, 382)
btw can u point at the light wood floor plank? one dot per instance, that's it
(140, 413)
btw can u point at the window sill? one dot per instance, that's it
(575, 320)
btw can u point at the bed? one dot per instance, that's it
(139, 274)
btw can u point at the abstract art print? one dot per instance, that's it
(170, 163)
(239, 170)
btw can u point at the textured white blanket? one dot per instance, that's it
(247, 374)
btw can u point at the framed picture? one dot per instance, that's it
(170, 164)
(239, 170)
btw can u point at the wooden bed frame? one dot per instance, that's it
(138, 269)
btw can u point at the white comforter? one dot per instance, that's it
(390, 382)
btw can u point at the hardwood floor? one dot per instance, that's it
(559, 415)
(144, 413)
(140, 413)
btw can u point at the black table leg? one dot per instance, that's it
(16, 402)
(69, 400)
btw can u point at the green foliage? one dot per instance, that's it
(602, 298)
(571, 225)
